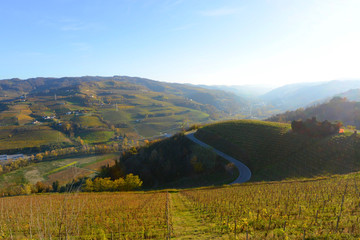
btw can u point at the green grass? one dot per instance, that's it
(96, 136)
(273, 152)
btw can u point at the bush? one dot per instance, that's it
(130, 182)
(311, 127)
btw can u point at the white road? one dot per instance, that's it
(244, 171)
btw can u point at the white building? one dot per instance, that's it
(10, 157)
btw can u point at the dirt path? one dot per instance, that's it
(186, 222)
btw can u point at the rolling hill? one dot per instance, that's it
(273, 152)
(105, 109)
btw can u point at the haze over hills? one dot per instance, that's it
(351, 95)
(293, 96)
(246, 91)
(337, 109)
(265, 100)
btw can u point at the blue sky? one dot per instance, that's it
(238, 42)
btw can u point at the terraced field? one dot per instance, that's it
(273, 152)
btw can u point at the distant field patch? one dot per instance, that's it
(17, 114)
(16, 137)
(24, 119)
(61, 168)
(90, 122)
(97, 166)
(67, 175)
(116, 117)
(96, 136)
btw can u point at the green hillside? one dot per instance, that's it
(105, 109)
(273, 152)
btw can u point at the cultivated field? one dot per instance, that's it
(19, 137)
(85, 216)
(323, 208)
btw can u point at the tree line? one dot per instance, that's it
(127, 183)
(314, 128)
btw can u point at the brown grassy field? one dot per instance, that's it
(67, 175)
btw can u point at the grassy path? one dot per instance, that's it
(186, 222)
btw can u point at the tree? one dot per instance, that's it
(132, 182)
(55, 186)
(27, 189)
(39, 156)
(40, 187)
(89, 185)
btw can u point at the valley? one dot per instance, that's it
(131, 120)
(208, 174)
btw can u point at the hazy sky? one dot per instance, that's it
(195, 41)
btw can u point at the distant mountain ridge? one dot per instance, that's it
(293, 96)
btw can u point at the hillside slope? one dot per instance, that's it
(101, 110)
(337, 109)
(273, 152)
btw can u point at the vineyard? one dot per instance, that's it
(88, 216)
(273, 152)
(322, 208)
(313, 209)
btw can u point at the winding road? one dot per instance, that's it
(244, 171)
